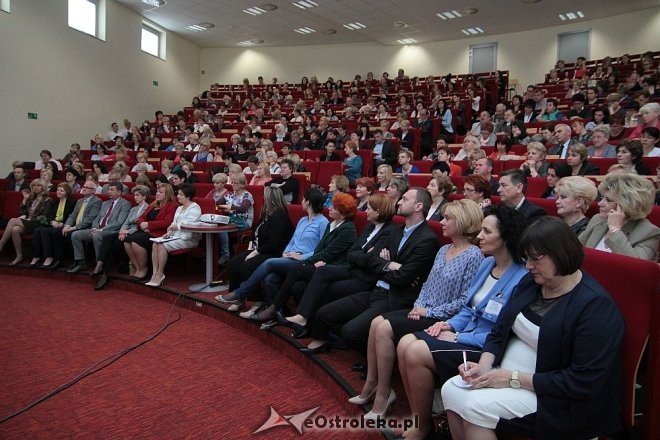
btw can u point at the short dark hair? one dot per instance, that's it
(561, 169)
(552, 237)
(290, 163)
(315, 198)
(180, 173)
(101, 166)
(423, 196)
(635, 147)
(517, 176)
(118, 185)
(578, 97)
(511, 224)
(187, 189)
(252, 159)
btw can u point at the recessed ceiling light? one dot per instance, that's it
(200, 27)
(449, 15)
(354, 26)
(399, 25)
(255, 10)
(250, 42)
(472, 31)
(470, 11)
(156, 3)
(305, 4)
(571, 15)
(407, 41)
(304, 30)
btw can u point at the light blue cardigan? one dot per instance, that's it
(471, 326)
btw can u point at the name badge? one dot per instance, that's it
(494, 306)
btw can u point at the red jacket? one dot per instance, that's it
(163, 220)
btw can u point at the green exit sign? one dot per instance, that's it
(155, 83)
(32, 116)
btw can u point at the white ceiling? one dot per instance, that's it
(276, 28)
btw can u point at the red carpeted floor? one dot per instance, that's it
(201, 378)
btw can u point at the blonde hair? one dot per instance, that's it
(220, 178)
(388, 171)
(341, 182)
(578, 187)
(539, 147)
(265, 168)
(635, 194)
(468, 216)
(473, 139)
(238, 178)
(580, 150)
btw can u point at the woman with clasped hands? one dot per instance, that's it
(551, 367)
(621, 226)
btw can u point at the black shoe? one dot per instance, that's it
(264, 315)
(320, 349)
(54, 265)
(359, 367)
(299, 331)
(103, 281)
(77, 267)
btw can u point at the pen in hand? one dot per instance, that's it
(465, 364)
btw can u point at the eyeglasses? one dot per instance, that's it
(532, 258)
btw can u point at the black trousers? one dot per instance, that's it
(295, 283)
(51, 242)
(350, 317)
(328, 283)
(239, 269)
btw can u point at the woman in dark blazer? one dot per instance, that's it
(332, 249)
(58, 211)
(439, 187)
(577, 160)
(270, 237)
(332, 282)
(559, 369)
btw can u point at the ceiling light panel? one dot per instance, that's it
(472, 31)
(449, 15)
(305, 4)
(571, 15)
(354, 26)
(304, 30)
(407, 41)
(254, 11)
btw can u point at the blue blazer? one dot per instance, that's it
(471, 325)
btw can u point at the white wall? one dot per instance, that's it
(527, 55)
(78, 84)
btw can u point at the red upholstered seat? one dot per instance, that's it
(635, 299)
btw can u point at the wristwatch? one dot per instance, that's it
(514, 382)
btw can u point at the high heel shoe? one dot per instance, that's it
(316, 350)
(299, 331)
(357, 400)
(374, 416)
(16, 261)
(154, 283)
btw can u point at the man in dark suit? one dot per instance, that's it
(384, 151)
(110, 217)
(563, 135)
(426, 130)
(18, 180)
(513, 185)
(402, 268)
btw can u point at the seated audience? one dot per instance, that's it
(152, 223)
(286, 182)
(650, 141)
(337, 238)
(513, 185)
(331, 282)
(261, 175)
(338, 184)
(556, 171)
(383, 177)
(187, 212)
(621, 226)
(599, 146)
(439, 187)
(477, 189)
(32, 213)
(353, 162)
(364, 187)
(525, 381)
(59, 210)
(270, 238)
(219, 190)
(630, 153)
(441, 297)
(535, 165)
(405, 164)
(650, 115)
(239, 206)
(437, 350)
(575, 194)
(396, 188)
(306, 237)
(47, 157)
(470, 143)
(18, 179)
(577, 160)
